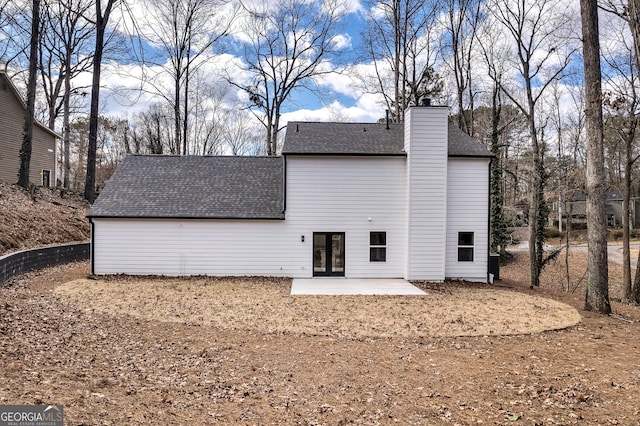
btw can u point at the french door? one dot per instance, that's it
(328, 254)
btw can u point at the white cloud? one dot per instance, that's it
(342, 42)
(366, 110)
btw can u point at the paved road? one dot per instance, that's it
(614, 251)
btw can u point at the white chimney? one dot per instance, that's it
(426, 145)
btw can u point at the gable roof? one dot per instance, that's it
(463, 145)
(326, 138)
(322, 138)
(16, 93)
(169, 186)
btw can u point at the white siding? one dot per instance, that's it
(324, 194)
(191, 247)
(341, 194)
(468, 211)
(426, 144)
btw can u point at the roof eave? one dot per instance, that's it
(100, 216)
(347, 154)
(16, 93)
(488, 156)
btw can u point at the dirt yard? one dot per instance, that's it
(203, 351)
(41, 217)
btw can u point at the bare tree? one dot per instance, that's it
(597, 295)
(289, 44)
(154, 128)
(462, 19)
(494, 55)
(539, 30)
(185, 30)
(622, 104)
(15, 33)
(625, 104)
(25, 150)
(634, 23)
(65, 52)
(397, 40)
(241, 135)
(5, 18)
(101, 21)
(209, 116)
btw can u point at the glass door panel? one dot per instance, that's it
(319, 253)
(337, 253)
(328, 253)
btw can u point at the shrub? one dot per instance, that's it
(552, 232)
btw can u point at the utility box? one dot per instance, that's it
(494, 265)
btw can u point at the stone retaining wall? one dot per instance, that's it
(18, 263)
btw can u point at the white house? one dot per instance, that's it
(344, 199)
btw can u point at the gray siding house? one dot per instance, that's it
(42, 170)
(355, 200)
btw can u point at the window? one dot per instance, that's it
(465, 246)
(378, 246)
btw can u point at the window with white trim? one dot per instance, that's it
(377, 246)
(465, 246)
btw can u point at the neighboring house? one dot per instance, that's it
(344, 199)
(43, 151)
(577, 208)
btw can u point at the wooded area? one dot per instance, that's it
(209, 77)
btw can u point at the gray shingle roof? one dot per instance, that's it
(343, 139)
(463, 145)
(316, 138)
(163, 186)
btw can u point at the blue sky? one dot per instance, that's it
(341, 99)
(337, 100)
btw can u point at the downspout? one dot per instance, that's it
(489, 221)
(91, 247)
(284, 183)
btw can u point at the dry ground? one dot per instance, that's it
(38, 218)
(111, 368)
(264, 305)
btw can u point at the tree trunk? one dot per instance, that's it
(396, 63)
(177, 132)
(185, 119)
(634, 23)
(537, 192)
(270, 133)
(101, 24)
(569, 211)
(626, 252)
(66, 148)
(90, 180)
(27, 135)
(498, 225)
(274, 134)
(635, 296)
(597, 294)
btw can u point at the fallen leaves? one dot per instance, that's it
(109, 367)
(49, 219)
(264, 306)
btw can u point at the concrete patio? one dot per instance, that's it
(353, 286)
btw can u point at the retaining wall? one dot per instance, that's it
(18, 263)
